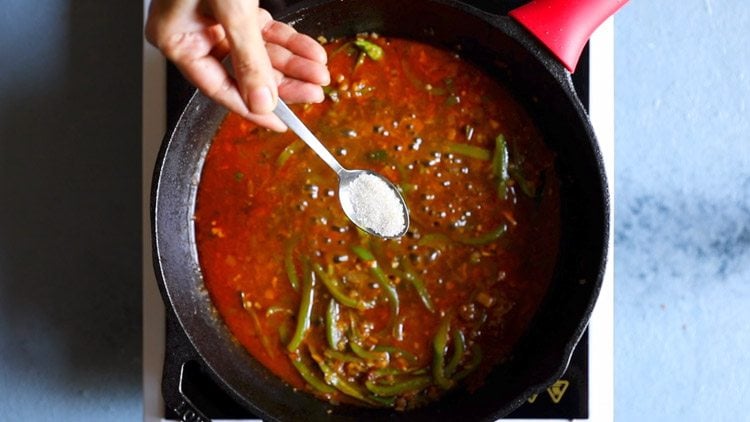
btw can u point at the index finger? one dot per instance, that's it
(284, 35)
(252, 66)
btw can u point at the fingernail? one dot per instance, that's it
(261, 100)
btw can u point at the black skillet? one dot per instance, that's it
(508, 52)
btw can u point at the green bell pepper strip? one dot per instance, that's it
(311, 378)
(368, 354)
(410, 274)
(484, 238)
(388, 286)
(291, 149)
(333, 287)
(335, 355)
(439, 346)
(459, 349)
(350, 389)
(397, 352)
(412, 384)
(333, 334)
(476, 359)
(500, 162)
(372, 50)
(305, 307)
(434, 240)
(470, 151)
(291, 271)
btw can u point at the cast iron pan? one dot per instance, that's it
(509, 53)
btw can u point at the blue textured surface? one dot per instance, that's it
(682, 214)
(70, 249)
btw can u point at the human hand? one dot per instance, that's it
(269, 58)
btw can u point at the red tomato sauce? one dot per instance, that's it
(391, 322)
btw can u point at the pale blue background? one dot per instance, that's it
(70, 310)
(682, 221)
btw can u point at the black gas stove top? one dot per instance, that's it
(189, 392)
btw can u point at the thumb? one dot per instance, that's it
(252, 66)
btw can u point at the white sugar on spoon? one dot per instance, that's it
(369, 200)
(375, 205)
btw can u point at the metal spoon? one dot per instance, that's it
(347, 178)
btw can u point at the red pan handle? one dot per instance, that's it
(564, 26)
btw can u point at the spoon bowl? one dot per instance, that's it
(369, 200)
(373, 203)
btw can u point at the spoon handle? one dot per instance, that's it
(286, 115)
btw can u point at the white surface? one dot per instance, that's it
(601, 327)
(154, 111)
(601, 353)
